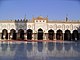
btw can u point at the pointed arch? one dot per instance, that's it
(21, 34)
(29, 34)
(75, 35)
(67, 35)
(40, 34)
(4, 34)
(59, 35)
(51, 34)
(13, 34)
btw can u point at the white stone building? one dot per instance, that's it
(39, 28)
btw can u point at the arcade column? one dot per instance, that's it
(25, 36)
(33, 36)
(46, 36)
(55, 36)
(43, 36)
(8, 36)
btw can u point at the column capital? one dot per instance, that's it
(71, 32)
(55, 31)
(63, 31)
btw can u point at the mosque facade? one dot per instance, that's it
(39, 28)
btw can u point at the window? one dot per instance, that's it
(43, 21)
(40, 20)
(36, 21)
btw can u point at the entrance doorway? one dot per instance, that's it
(29, 34)
(40, 34)
(75, 35)
(4, 34)
(21, 34)
(67, 35)
(59, 35)
(13, 34)
(51, 34)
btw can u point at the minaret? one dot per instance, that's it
(66, 18)
(25, 17)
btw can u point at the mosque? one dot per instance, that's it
(40, 28)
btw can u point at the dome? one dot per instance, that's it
(40, 17)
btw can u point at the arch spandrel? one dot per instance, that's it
(55, 31)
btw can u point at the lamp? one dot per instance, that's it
(4, 36)
(10, 36)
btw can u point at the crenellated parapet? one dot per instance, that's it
(21, 20)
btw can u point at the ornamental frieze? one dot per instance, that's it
(8, 26)
(59, 26)
(71, 27)
(55, 27)
(29, 26)
(12, 26)
(67, 26)
(20, 26)
(50, 26)
(63, 27)
(75, 27)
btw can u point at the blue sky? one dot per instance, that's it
(54, 9)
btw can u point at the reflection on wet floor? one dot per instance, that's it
(50, 46)
(40, 46)
(39, 51)
(29, 47)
